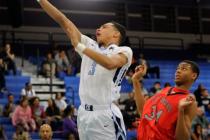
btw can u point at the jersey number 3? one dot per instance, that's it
(92, 69)
(155, 114)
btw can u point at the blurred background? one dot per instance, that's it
(37, 59)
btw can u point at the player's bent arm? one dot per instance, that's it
(139, 97)
(62, 20)
(185, 117)
(110, 63)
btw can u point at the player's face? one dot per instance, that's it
(105, 33)
(184, 74)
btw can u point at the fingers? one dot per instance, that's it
(190, 98)
(139, 68)
(185, 102)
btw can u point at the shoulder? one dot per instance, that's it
(165, 90)
(88, 41)
(18, 108)
(126, 48)
(23, 90)
(29, 108)
(127, 51)
(123, 49)
(63, 101)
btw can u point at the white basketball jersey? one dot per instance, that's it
(98, 85)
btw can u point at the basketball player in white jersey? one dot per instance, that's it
(103, 67)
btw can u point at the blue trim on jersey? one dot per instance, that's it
(116, 74)
(120, 134)
(117, 80)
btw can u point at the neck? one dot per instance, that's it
(106, 45)
(184, 87)
(24, 107)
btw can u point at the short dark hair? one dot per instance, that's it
(194, 66)
(10, 94)
(28, 84)
(122, 31)
(157, 82)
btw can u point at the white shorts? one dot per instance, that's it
(100, 123)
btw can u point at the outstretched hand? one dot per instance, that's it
(140, 71)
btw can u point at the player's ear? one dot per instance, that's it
(116, 34)
(194, 76)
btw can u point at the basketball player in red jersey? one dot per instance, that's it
(167, 115)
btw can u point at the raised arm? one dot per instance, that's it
(187, 111)
(112, 62)
(140, 71)
(73, 32)
(74, 35)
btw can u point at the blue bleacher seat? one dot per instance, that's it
(9, 134)
(18, 72)
(62, 75)
(14, 84)
(72, 87)
(5, 120)
(126, 87)
(71, 80)
(9, 127)
(3, 101)
(77, 103)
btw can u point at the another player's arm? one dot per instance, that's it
(109, 62)
(187, 111)
(69, 27)
(140, 71)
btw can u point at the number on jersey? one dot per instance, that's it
(155, 114)
(92, 69)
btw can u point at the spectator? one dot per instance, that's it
(150, 70)
(8, 57)
(45, 132)
(21, 134)
(167, 84)
(2, 74)
(74, 60)
(9, 107)
(23, 116)
(60, 103)
(205, 100)
(63, 64)
(197, 94)
(144, 90)
(38, 113)
(28, 91)
(71, 137)
(48, 66)
(197, 133)
(131, 69)
(69, 123)
(202, 120)
(53, 115)
(129, 113)
(156, 88)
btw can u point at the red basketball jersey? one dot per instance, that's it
(159, 117)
